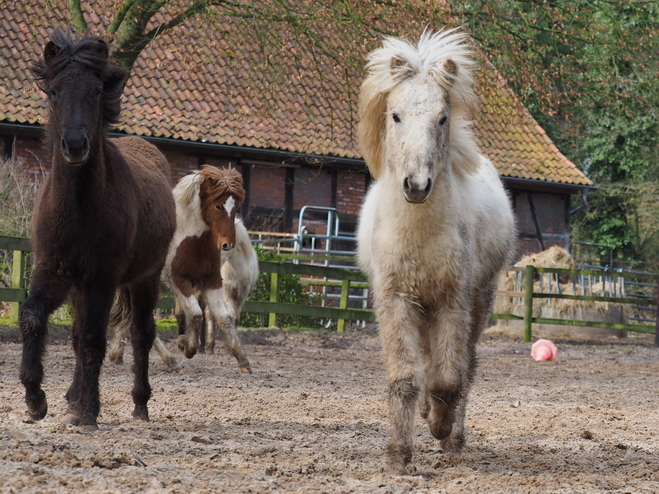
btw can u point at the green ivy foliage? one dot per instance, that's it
(588, 70)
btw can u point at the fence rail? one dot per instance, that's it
(347, 277)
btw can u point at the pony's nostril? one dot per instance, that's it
(429, 186)
(406, 184)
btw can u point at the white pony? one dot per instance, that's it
(435, 230)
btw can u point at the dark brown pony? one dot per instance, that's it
(103, 222)
(206, 205)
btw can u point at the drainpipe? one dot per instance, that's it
(584, 203)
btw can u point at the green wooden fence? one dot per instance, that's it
(313, 275)
(346, 278)
(529, 295)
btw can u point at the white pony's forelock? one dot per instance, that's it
(398, 60)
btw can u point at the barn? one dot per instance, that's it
(284, 114)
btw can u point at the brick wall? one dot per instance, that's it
(350, 192)
(267, 187)
(313, 187)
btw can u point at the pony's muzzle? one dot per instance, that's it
(75, 146)
(416, 193)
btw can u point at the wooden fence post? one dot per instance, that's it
(656, 317)
(345, 290)
(274, 297)
(529, 273)
(17, 281)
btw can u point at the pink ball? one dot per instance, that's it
(544, 350)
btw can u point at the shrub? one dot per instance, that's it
(291, 291)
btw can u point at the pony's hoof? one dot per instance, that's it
(453, 444)
(141, 413)
(440, 430)
(182, 343)
(71, 419)
(37, 407)
(172, 365)
(88, 427)
(245, 368)
(397, 467)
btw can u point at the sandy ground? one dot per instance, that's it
(312, 418)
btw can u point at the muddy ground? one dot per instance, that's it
(312, 418)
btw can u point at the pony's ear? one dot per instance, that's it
(101, 47)
(400, 68)
(50, 51)
(446, 73)
(114, 79)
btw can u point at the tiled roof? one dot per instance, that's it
(193, 83)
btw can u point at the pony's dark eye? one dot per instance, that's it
(442, 121)
(52, 92)
(218, 207)
(395, 116)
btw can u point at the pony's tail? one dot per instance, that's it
(120, 314)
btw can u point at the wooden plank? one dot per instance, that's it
(15, 243)
(589, 298)
(309, 311)
(320, 257)
(274, 297)
(598, 272)
(17, 281)
(639, 328)
(528, 303)
(13, 294)
(343, 304)
(306, 269)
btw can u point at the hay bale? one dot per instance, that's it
(553, 257)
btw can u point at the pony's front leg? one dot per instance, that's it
(96, 302)
(216, 303)
(446, 375)
(192, 319)
(208, 336)
(143, 298)
(399, 324)
(46, 294)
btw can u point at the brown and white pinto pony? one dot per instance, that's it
(435, 230)
(103, 223)
(206, 205)
(240, 271)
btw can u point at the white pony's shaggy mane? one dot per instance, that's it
(446, 57)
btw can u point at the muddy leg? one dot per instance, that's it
(208, 336)
(227, 325)
(188, 342)
(167, 357)
(399, 329)
(481, 307)
(46, 295)
(446, 375)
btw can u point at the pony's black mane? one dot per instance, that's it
(90, 52)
